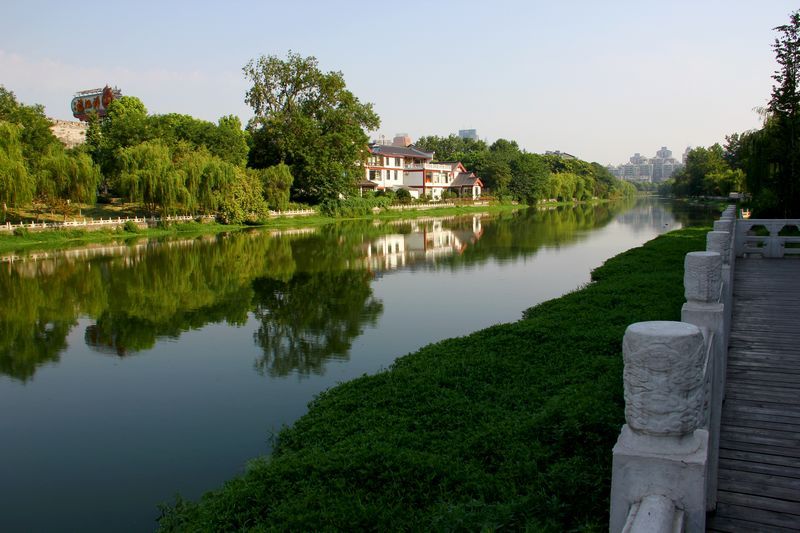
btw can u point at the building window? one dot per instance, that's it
(373, 175)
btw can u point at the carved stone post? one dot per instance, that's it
(704, 307)
(662, 449)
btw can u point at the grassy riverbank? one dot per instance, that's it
(508, 428)
(70, 238)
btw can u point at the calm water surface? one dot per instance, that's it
(132, 372)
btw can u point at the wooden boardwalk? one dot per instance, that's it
(759, 466)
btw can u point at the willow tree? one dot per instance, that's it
(16, 183)
(148, 177)
(67, 177)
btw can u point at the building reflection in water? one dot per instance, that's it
(427, 240)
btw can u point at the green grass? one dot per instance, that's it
(508, 428)
(70, 238)
(54, 239)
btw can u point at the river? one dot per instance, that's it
(131, 372)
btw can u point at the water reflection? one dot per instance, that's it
(310, 319)
(309, 290)
(422, 240)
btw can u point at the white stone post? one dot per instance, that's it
(662, 449)
(704, 307)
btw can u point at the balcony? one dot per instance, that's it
(430, 166)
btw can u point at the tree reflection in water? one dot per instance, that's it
(309, 290)
(310, 319)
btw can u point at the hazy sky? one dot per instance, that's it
(598, 79)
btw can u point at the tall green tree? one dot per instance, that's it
(277, 182)
(309, 120)
(785, 108)
(67, 176)
(694, 179)
(35, 136)
(148, 177)
(17, 185)
(452, 147)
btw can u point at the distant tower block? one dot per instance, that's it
(401, 139)
(468, 134)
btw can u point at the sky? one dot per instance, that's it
(597, 79)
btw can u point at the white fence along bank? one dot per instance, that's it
(664, 471)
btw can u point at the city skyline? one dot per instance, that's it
(599, 81)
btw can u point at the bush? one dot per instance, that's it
(353, 207)
(403, 196)
(22, 232)
(130, 226)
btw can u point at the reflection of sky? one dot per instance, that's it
(104, 439)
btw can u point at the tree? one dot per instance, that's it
(16, 183)
(149, 177)
(243, 200)
(277, 182)
(529, 178)
(124, 125)
(34, 134)
(785, 108)
(66, 177)
(451, 148)
(693, 178)
(310, 121)
(496, 174)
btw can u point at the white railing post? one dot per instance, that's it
(705, 308)
(662, 449)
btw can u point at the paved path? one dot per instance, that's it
(759, 466)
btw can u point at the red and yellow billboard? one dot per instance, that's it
(94, 100)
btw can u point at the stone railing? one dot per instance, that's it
(748, 242)
(92, 222)
(119, 221)
(664, 471)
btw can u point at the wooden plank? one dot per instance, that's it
(724, 524)
(789, 510)
(761, 490)
(759, 457)
(734, 405)
(736, 442)
(762, 479)
(759, 423)
(765, 518)
(735, 378)
(774, 396)
(759, 468)
(759, 465)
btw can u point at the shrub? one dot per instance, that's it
(353, 207)
(130, 226)
(403, 196)
(22, 232)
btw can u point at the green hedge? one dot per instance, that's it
(508, 428)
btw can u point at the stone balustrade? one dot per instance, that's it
(665, 461)
(119, 221)
(750, 238)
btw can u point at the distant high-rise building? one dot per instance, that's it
(468, 134)
(647, 169)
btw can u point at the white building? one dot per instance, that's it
(393, 167)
